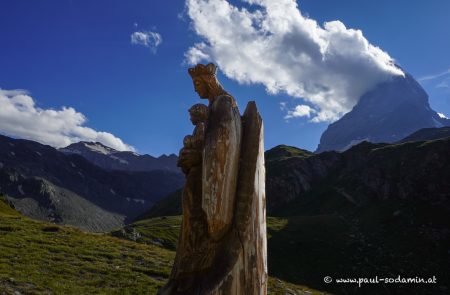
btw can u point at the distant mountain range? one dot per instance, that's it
(387, 113)
(110, 159)
(67, 188)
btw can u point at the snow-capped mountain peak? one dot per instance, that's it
(111, 159)
(387, 113)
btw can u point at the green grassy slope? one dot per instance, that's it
(282, 152)
(42, 258)
(161, 231)
(165, 230)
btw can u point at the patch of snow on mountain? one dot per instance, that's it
(98, 148)
(122, 161)
(441, 115)
(20, 189)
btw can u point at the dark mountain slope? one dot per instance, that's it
(47, 184)
(170, 205)
(428, 134)
(379, 210)
(372, 170)
(373, 210)
(365, 173)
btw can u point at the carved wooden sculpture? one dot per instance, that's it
(222, 245)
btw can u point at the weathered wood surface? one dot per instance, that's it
(222, 248)
(242, 259)
(220, 165)
(250, 218)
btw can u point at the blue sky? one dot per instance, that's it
(79, 55)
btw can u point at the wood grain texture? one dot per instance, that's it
(222, 249)
(220, 165)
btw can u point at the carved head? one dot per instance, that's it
(199, 113)
(205, 81)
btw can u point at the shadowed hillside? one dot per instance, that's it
(376, 209)
(428, 134)
(46, 184)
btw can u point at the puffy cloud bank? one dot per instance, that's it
(19, 117)
(146, 38)
(272, 43)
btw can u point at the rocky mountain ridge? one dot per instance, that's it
(364, 173)
(427, 134)
(47, 184)
(293, 172)
(111, 159)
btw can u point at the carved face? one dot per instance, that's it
(201, 88)
(198, 113)
(195, 119)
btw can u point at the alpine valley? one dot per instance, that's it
(79, 186)
(373, 200)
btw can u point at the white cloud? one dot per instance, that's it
(444, 84)
(434, 76)
(440, 80)
(273, 44)
(300, 111)
(147, 38)
(19, 117)
(196, 54)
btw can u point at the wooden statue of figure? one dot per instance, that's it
(222, 247)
